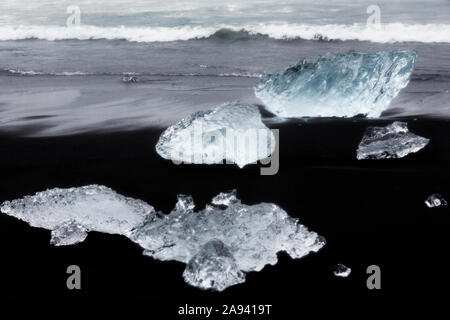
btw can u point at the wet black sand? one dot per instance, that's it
(370, 212)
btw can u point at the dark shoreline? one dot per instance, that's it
(370, 212)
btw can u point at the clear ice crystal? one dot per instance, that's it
(342, 271)
(219, 243)
(232, 132)
(254, 234)
(342, 85)
(68, 233)
(392, 141)
(435, 200)
(225, 198)
(213, 267)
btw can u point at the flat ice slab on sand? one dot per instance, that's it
(392, 141)
(232, 131)
(341, 85)
(71, 212)
(219, 243)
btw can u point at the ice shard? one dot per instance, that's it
(68, 233)
(392, 141)
(232, 132)
(129, 79)
(341, 270)
(219, 244)
(213, 267)
(341, 85)
(71, 213)
(435, 200)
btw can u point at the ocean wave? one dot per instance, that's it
(386, 33)
(235, 34)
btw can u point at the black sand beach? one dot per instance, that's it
(87, 88)
(370, 212)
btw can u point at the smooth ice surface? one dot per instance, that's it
(435, 200)
(232, 131)
(341, 270)
(219, 243)
(342, 85)
(392, 141)
(72, 212)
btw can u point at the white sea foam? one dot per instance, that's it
(85, 32)
(40, 73)
(386, 33)
(81, 73)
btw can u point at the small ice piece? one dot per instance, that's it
(68, 233)
(129, 79)
(213, 267)
(342, 271)
(340, 85)
(225, 198)
(435, 200)
(392, 141)
(72, 212)
(185, 203)
(219, 244)
(233, 132)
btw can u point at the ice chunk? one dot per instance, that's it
(342, 271)
(342, 85)
(129, 79)
(435, 200)
(72, 212)
(213, 267)
(392, 141)
(232, 132)
(225, 198)
(185, 203)
(219, 243)
(68, 233)
(254, 234)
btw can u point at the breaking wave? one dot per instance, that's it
(386, 33)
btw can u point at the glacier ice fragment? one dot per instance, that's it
(232, 132)
(72, 212)
(213, 267)
(225, 198)
(342, 85)
(341, 270)
(129, 79)
(392, 141)
(218, 244)
(435, 200)
(254, 234)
